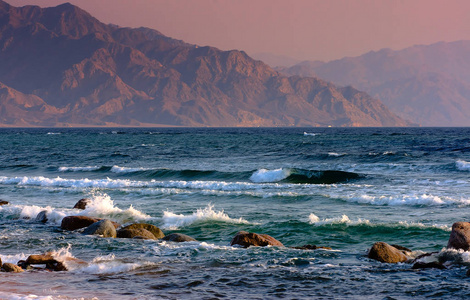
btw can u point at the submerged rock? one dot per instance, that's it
(429, 265)
(82, 203)
(104, 227)
(149, 227)
(311, 247)
(139, 233)
(386, 253)
(247, 239)
(9, 267)
(41, 217)
(460, 236)
(77, 222)
(178, 238)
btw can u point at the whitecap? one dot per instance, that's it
(174, 221)
(117, 169)
(264, 175)
(79, 169)
(462, 165)
(344, 219)
(310, 134)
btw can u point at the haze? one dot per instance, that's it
(302, 29)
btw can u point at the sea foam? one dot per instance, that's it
(264, 175)
(174, 221)
(344, 219)
(462, 165)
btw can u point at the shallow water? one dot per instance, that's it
(341, 188)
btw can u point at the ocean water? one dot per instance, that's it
(340, 188)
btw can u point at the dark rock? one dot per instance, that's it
(247, 239)
(82, 203)
(136, 233)
(468, 272)
(41, 217)
(460, 236)
(9, 267)
(3, 202)
(104, 227)
(77, 222)
(311, 247)
(178, 238)
(149, 227)
(22, 264)
(386, 253)
(430, 265)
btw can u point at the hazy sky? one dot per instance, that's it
(302, 29)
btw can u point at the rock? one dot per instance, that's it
(82, 203)
(460, 236)
(383, 252)
(77, 222)
(41, 217)
(136, 233)
(3, 202)
(178, 238)
(152, 228)
(104, 227)
(430, 265)
(311, 247)
(247, 239)
(9, 267)
(40, 259)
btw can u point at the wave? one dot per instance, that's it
(344, 219)
(174, 221)
(79, 169)
(310, 134)
(302, 176)
(462, 165)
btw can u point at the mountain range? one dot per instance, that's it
(60, 66)
(427, 84)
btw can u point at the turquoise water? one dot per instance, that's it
(340, 188)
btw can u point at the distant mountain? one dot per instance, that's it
(60, 66)
(275, 60)
(429, 85)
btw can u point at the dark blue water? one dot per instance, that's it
(341, 188)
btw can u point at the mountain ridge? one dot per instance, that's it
(86, 72)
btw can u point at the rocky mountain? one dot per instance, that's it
(60, 66)
(429, 85)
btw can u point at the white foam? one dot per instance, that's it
(336, 154)
(344, 219)
(79, 169)
(174, 221)
(263, 175)
(462, 165)
(54, 133)
(117, 169)
(310, 134)
(15, 296)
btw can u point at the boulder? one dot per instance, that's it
(311, 247)
(386, 253)
(104, 227)
(247, 239)
(82, 203)
(3, 202)
(9, 267)
(77, 222)
(460, 236)
(152, 228)
(40, 259)
(136, 233)
(178, 238)
(41, 217)
(429, 265)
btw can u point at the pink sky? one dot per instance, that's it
(302, 29)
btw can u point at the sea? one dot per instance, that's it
(343, 188)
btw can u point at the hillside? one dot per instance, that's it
(61, 66)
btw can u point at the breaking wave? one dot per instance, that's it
(302, 176)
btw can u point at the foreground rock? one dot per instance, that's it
(460, 236)
(247, 239)
(41, 217)
(139, 233)
(149, 227)
(77, 222)
(9, 267)
(3, 202)
(178, 238)
(82, 203)
(104, 228)
(386, 253)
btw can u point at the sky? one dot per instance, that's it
(301, 29)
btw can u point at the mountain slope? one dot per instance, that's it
(426, 84)
(86, 72)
